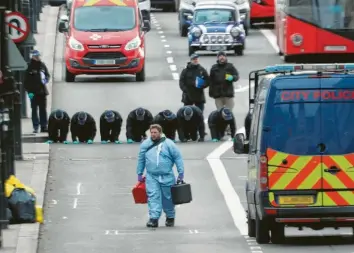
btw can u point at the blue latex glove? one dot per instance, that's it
(141, 178)
(89, 142)
(30, 95)
(214, 140)
(180, 177)
(65, 142)
(76, 142)
(49, 142)
(118, 142)
(103, 142)
(130, 141)
(230, 78)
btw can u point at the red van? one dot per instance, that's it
(104, 37)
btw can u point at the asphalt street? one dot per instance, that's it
(89, 206)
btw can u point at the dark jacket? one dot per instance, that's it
(136, 128)
(58, 129)
(83, 132)
(248, 121)
(33, 82)
(195, 124)
(192, 94)
(218, 125)
(110, 131)
(219, 86)
(169, 126)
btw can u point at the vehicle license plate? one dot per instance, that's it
(216, 48)
(335, 48)
(105, 62)
(296, 200)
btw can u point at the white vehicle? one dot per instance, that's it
(145, 7)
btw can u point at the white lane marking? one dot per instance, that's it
(158, 28)
(163, 41)
(54, 202)
(243, 88)
(160, 32)
(75, 203)
(272, 39)
(78, 189)
(162, 36)
(175, 76)
(169, 60)
(173, 68)
(232, 200)
(166, 45)
(168, 52)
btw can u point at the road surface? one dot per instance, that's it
(89, 207)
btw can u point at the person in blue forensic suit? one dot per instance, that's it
(158, 155)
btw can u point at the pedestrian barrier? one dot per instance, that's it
(134, 143)
(18, 19)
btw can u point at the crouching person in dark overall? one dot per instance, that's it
(110, 126)
(58, 126)
(218, 121)
(83, 128)
(169, 123)
(190, 122)
(138, 122)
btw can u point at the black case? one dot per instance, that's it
(181, 193)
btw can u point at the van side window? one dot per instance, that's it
(254, 129)
(260, 126)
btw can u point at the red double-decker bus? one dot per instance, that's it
(306, 28)
(262, 11)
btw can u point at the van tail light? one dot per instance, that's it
(263, 173)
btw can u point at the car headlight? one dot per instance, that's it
(75, 44)
(197, 32)
(240, 1)
(133, 44)
(235, 31)
(297, 39)
(242, 16)
(206, 39)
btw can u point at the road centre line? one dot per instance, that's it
(173, 68)
(169, 60)
(175, 76)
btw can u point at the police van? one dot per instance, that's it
(300, 149)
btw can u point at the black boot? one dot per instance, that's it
(152, 223)
(170, 222)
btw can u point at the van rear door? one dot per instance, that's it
(294, 160)
(337, 122)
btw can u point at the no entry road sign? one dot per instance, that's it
(18, 26)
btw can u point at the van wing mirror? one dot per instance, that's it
(63, 24)
(239, 145)
(146, 26)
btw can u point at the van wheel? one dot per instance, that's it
(262, 231)
(140, 76)
(69, 77)
(277, 233)
(251, 226)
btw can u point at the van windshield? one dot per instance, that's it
(104, 18)
(298, 128)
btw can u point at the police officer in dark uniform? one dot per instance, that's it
(58, 126)
(110, 126)
(138, 122)
(169, 123)
(190, 122)
(218, 121)
(193, 80)
(83, 128)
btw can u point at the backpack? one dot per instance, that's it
(23, 206)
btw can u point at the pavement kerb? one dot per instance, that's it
(29, 233)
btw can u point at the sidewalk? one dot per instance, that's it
(33, 169)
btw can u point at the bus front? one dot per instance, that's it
(316, 28)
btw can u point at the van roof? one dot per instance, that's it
(82, 3)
